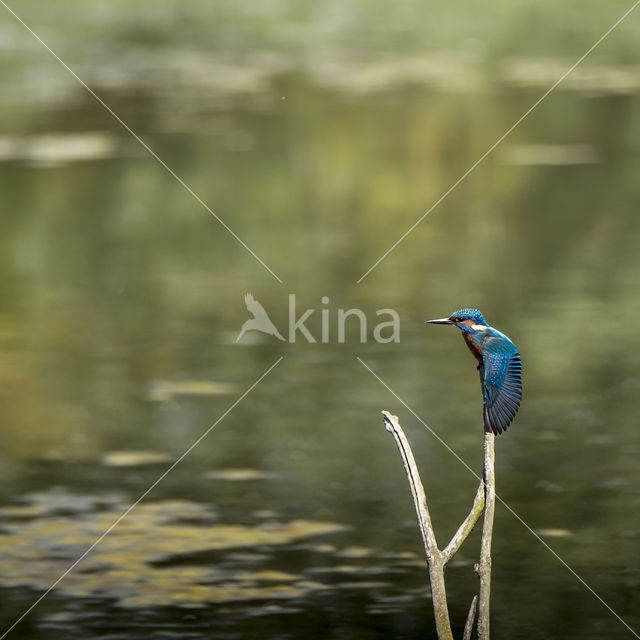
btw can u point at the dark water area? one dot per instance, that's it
(121, 298)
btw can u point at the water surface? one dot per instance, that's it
(121, 298)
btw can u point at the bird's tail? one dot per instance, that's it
(488, 427)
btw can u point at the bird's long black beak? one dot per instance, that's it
(439, 321)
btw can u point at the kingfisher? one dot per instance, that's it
(499, 366)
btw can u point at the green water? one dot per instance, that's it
(320, 137)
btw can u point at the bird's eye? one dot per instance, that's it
(455, 319)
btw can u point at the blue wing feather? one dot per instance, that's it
(501, 379)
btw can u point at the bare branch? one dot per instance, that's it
(484, 567)
(417, 490)
(434, 555)
(466, 527)
(468, 627)
(484, 501)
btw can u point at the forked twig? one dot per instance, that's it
(484, 502)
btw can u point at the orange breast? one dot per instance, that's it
(474, 345)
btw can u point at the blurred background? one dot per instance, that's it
(320, 132)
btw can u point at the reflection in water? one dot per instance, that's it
(162, 390)
(55, 150)
(133, 458)
(139, 563)
(121, 299)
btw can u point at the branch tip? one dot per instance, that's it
(468, 627)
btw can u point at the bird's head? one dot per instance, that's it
(467, 320)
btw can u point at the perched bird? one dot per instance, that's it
(500, 367)
(260, 320)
